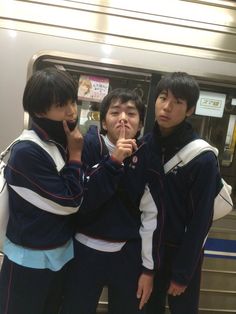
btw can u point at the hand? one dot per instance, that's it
(124, 147)
(145, 285)
(176, 289)
(74, 142)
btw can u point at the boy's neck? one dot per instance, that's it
(110, 146)
(167, 131)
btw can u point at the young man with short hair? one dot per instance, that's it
(190, 193)
(120, 220)
(42, 199)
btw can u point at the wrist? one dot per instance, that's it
(116, 160)
(75, 157)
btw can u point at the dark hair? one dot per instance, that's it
(122, 95)
(182, 85)
(47, 87)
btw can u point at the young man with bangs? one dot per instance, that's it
(42, 198)
(190, 195)
(121, 217)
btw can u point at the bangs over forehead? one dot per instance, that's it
(182, 86)
(118, 102)
(46, 88)
(121, 95)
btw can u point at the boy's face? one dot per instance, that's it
(126, 112)
(170, 111)
(68, 112)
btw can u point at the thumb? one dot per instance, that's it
(122, 131)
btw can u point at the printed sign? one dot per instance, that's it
(233, 102)
(211, 104)
(92, 88)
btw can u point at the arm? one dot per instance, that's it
(152, 219)
(204, 176)
(149, 246)
(104, 171)
(103, 175)
(32, 174)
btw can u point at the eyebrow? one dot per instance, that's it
(164, 92)
(129, 106)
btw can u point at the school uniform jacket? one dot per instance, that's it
(122, 202)
(190, 194)
(41, 200)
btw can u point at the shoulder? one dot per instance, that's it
(204, 165)
(92, 137)
(206, 158)
(94, 147)
(147, 137)
(25, 148)
(28, 154)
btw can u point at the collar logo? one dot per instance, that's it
(134, 159)
(133, 162)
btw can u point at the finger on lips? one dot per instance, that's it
(122, 130)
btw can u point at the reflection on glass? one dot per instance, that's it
(88, 115)
(230, 142)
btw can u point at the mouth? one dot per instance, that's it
(164, 118)
(119, 126)
(72, 120)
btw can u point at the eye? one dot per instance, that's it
(114, 113)
(180, 101)
(162, 97)
(132, 113)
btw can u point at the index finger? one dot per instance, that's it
(142, 301)
(122, 131)
(65, 126)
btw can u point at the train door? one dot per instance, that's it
(218, 126)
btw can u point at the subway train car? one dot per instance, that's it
(118, 43)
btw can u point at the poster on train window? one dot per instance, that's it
(211, 104)
(92, 88)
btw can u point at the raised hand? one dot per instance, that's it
(74, 142)
(124, 147)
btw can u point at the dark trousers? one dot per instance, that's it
(93, 270)
(186, 303)
(26, 290)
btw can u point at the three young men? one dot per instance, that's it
(190, 192)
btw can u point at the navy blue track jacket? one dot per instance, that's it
(122, 202)
(41, 199)
(190, 193)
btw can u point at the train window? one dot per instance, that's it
(95, 80)
(221, 133)
(230, 141)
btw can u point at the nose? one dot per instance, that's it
(168, 105)
(123, 116)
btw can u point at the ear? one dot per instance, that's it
(104, 126)
(140, 126)
(190, 111)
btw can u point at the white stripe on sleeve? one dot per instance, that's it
(43, 203)
(148, 226)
